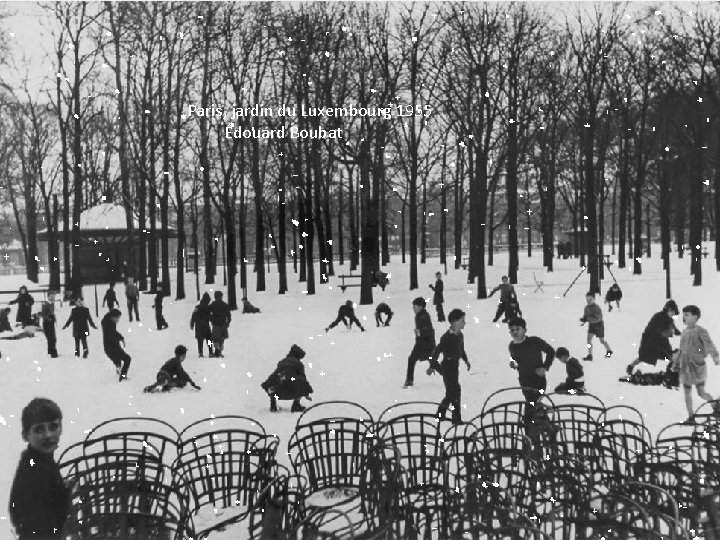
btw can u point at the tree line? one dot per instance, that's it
(519, 117)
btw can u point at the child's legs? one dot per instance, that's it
(77, 345)
(387, 321)
(590, 337)
(688, 399)
(200, 345)
(702, 393)
(605, 343)
(83, 340)
(335, 322)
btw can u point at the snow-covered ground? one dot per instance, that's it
(368, 368)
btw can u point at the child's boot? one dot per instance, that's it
(588, 358)
(296, 407)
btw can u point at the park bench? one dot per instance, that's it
(379, 278)
(45, 293)
(465, 263)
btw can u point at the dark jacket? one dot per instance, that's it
(382, 307)
(452, 347)
(219, 313)
(200, 320)
(176, 372)
(574, 369)
(39, 500)
(426, 339)
(80, 319)
(111, 337)
(110, 299)
(158, 304)
(346, 312)
(4, 322)
(47, 312)
(592, 314)
(613, 294)
(288, 381)
(438, 297)
(528, 356)
(24, 312)
(654, 343)
(660, 323)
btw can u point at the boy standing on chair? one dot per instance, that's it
(452, 346)
(596, 327)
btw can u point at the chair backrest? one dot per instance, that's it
(328, 410)
(412, 408)
(511, 394)
(136, 431)
(461, 445)
(223, 461)
(330, 452)
(418, 441)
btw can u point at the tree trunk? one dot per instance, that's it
(423, 225)
(354, 245)
(458, 209)
(281, 240)
(341, 210)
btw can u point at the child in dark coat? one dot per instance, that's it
(81, 320)
(438, 297)
(5, 325)
(111, 343)
(172, 375)
(346, 314)
(47, 314)
(110, 298)
(655, 340)
(575, 381)
(383, 309)
(424, 340)
(220, 318)
(452, 346)
(160, 321)
(39, 500)
(248, 307)
(613, 294)
(24, 301)
(288, 381)
(200, 321)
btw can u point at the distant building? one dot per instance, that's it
(104, 246)
(12, 254)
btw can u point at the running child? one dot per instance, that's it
(111, 343)
(424, 339)
(596, 327)
(452, 347)
(160, 321)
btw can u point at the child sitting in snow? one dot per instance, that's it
(248, 307)
(172, 375)
(575, 381)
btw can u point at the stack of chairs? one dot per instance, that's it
(568, 468)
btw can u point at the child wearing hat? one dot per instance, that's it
(288, 381)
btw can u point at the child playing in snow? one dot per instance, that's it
(248, 307)
(452, 346)
(288, 381)
(346, 314)
(383, 309)
(172, 375)
(613, 294)
(655, 340)
(438, 297)
(39, 500)
(575, 381)
(596, 327)
(689, 361)
(507, 295)
(110, 298)
(80, 318)
(111, 343)
(424, 340)
(160, 321)
(5, 325)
